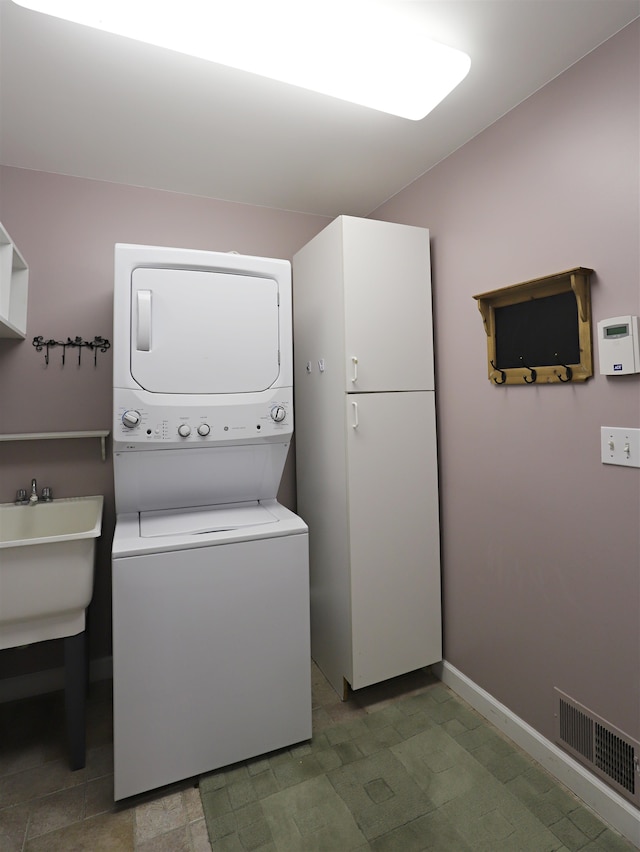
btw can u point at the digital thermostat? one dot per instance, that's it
(618, 346)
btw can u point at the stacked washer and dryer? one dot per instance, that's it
(211, 656)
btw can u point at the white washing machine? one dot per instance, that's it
(211, 656)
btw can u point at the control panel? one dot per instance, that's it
(138, 424)
(619, 346)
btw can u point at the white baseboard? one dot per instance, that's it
(609, 806)
(50, 680)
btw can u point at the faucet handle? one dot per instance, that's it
(47, 494)
(21, 495)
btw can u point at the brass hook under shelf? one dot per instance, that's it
(503, 375)
(568, 369)
(534, 374)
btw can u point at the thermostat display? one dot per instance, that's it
(616, 331)
(618, 346)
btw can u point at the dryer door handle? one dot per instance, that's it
(143, 332)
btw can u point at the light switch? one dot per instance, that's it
(620, 446)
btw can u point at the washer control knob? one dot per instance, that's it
(278, 413)
(131, 418)
(184, 430)
(204, 429)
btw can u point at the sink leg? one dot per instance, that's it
(75, 697)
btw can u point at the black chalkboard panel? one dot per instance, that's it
(538, 332)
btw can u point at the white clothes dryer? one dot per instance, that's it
(211, 656)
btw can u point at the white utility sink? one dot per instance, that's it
(47, 556)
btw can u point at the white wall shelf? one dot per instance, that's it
(102, 434)
(14, 288)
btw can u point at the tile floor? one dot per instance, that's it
(44, 807)
(409, 767)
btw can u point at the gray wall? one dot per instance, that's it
(541, 544)
(66, 229)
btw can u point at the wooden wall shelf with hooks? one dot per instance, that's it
(539, 332)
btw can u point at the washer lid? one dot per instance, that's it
(204, 519)
(203, 331)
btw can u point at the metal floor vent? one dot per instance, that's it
(609, 753)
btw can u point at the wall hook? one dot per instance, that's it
(534, 374)
(503, 375)
(100, 343)
(569, 371)
(79, 342)
(40, 343)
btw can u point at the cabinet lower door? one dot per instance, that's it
(394, 535)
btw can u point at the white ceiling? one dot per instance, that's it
(79, 102)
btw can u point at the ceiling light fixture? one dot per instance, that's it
(361, 51)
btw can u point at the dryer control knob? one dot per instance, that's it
(278, 413)
(131, 418)
(184, 430)
(204, 429)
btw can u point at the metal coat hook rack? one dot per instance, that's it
(98, 343)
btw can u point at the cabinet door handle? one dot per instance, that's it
(355, 415)
(143, 336)
(354, 375)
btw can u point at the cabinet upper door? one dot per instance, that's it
(387, 301)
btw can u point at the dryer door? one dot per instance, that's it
(203, 332)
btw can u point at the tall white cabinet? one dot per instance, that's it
(366, 455)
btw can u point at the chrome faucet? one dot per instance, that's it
(23, 500)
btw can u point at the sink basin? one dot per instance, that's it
(47, 556)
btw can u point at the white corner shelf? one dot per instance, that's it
(14, 288)
(102, 434)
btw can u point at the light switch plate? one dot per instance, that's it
(620, 446)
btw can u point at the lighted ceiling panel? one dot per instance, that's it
(360, 51)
